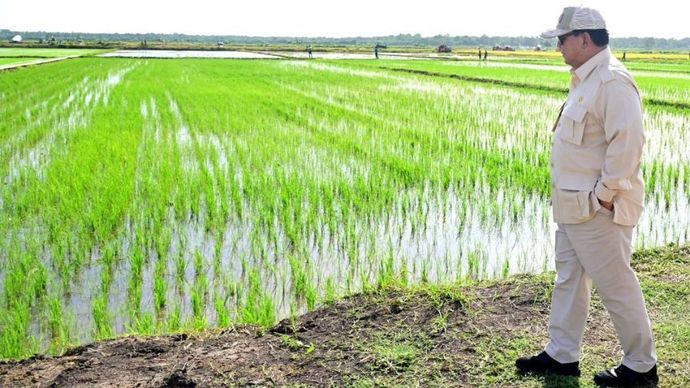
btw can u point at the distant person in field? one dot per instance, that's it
(309, 51)
(376, 51)
(485, 54)
(623, 55)
(479, 53)
(597, 195)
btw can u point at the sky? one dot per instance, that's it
(338, 18)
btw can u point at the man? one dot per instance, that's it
(597, 197)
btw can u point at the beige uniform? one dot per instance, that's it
(596, 154)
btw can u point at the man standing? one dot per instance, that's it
(597, 197)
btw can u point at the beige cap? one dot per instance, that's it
(576, 18)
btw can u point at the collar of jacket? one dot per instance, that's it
(602, 57)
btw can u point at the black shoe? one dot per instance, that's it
(543, 363)
(622, 376)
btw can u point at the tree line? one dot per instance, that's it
(633, 43)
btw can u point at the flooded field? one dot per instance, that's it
(148, 196)
(332, 55)
(251, 55)
(186, 54)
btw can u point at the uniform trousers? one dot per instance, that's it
(598, 251)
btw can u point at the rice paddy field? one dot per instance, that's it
(152, 196)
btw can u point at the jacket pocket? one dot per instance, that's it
(573, 206)
(572, 125)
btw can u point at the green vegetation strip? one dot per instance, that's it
(651, 101)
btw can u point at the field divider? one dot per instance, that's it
(13, 66)
(522, 85)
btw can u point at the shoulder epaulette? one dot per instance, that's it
(606, 73)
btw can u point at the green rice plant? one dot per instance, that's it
(258, 306)
(311, 297)
(386, 274)
(299, 275)
(160, 286)
(199, 291)
(473, 265)
(145, 324)
(180, 263)
(102, 317)
(14, 342)
(59, 331)
(222, 313)
(174, 320)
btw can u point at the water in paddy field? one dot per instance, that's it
(255, 55)
(426, 234)
(440, 238)
(187, 54)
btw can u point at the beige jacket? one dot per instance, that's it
(597, 145)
